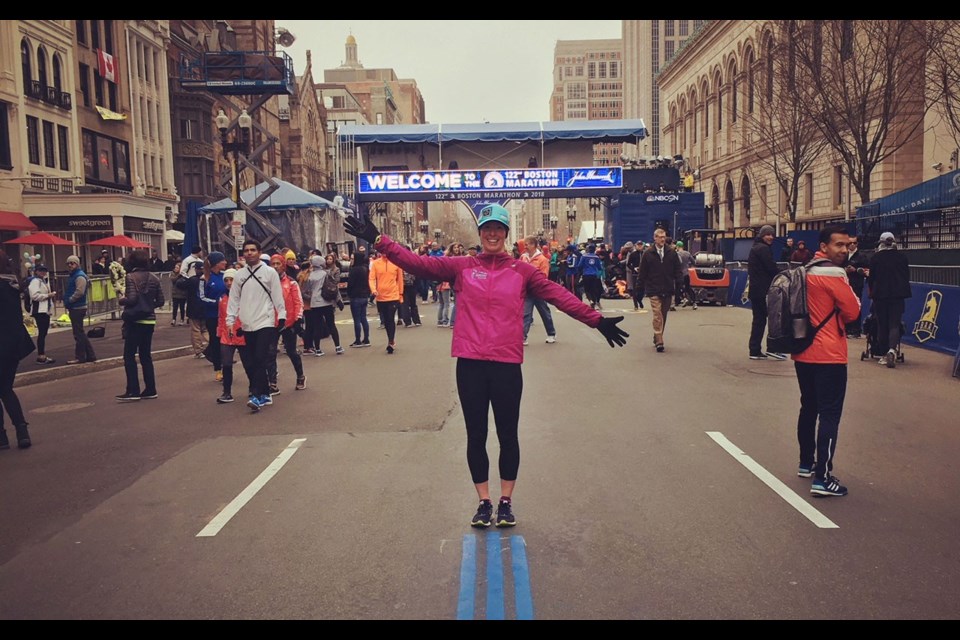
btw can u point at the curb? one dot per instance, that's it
(103, 364)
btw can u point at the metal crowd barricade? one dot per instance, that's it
(935, 274)
(101, 297)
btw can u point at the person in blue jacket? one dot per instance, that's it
(591, 272)
(210, 288)
(573, 271)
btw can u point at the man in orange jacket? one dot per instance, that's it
(386, 285)
(822, 367)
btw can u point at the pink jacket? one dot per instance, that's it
(490, 290)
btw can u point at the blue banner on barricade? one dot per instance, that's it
(931, 318)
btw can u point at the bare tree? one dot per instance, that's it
(783, 138)
(942, 43)
(862, 86)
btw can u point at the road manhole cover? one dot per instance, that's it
(60, 408)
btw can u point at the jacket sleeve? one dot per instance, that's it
(372, 278)
(400, 282)
(642, 273)
(233, 302)
(539, 286)
(429, 267)
(159, 300)
(81, 284)
(297, 304)
(130, 294)
(848, 304)
(276, 294)
(34, 291)
(766, 260)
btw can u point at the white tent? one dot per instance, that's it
(172, 235)
(589, 230)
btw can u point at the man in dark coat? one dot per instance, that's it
(889, 284)
(760, 271)
(659, 274)
(856, 267)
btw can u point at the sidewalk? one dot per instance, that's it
(168, 342)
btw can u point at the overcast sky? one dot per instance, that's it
(467, 71)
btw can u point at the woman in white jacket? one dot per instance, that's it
(41, 310)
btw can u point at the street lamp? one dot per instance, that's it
(424, 228)
(553, 226)
(232, 150)
(407, 224)
(571, 216)
(594, 207)
(436, 234)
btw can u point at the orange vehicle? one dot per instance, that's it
(709, 276)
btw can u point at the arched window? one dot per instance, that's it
(25, 63)
(750, 84)
(706, 111)
(733, 93)
(715, 199)
(745, 194)
(57, 80)
(693, 118)
(792, 55)
(718, 83)
(42, 68)
(729, 199)
(768, 50)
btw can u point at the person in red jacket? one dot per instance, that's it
(229, 341)
(293, 300)
(822, 367)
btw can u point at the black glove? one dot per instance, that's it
(340, 304)
(615, 335)
(280, 323)
(364, 229)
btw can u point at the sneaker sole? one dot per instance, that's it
(826, 494)
(253, 406)
(804, 474)
(504, 524)
(222, 401)
(480, 525)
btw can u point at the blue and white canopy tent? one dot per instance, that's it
(300, 219)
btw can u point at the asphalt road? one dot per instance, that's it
(652, 486)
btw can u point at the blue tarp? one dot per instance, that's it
(940, 192)
(191, 235)
(288, 196)
(599, 130)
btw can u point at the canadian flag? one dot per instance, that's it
(108, 69)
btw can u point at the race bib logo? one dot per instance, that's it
(926, 327)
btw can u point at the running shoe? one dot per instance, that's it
(318, 353)
(128, 397)
(505, 514)
(806, 470)
(829, 486)
(551, 339)
(339, 351)
(355, 345)
(254, 403)
(659, 348)
(776, 356)
(391, 347)
(301, 383)
(758, 356)
(149, 395)
(482, 518)
(266, 400)
(274, 389)
(225, 398)
(366, 343)
(891, 359)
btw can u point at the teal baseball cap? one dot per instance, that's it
(494, 213)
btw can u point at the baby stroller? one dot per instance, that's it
(870, 325)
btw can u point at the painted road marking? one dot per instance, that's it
(523, 598)
(778, 487)
(222, 518)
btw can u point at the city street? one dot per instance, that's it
(651, 486)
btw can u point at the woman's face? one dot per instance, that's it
(176, 268)
(220, 266)
(493, 236)
(330, 260)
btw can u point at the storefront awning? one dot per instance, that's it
(15, 221)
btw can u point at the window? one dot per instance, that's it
(85, 84)
(33, 140)
(838, 186)
(63, 140)
(49, 154)
(579, 70)
(591, 70)
(568, 71)
(95, 34)
(745, 193)
(750, 81)
(112, 93)
(82, 32)
(6, 160)
(668, 49)
(57, 79)
(42, 69)
(108, 36)
(545, 205)
(97, 88)
(603, 69)
(614, 70)
(733, 96)
(846, 40)
(105, 160)
(25, 63)
(719, 105)
(684, 27)
(809, 190)
(668, 28)
(379, 118)
(764, 210)
(817, 46)
(769, 74)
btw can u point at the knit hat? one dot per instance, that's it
(317, 261)
(765, 230)
(265, 258)
(215, 257)
(887, 238)
(230, 273)
(279, 257)
(290, 254)
(73, 259)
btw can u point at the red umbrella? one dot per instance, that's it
(41, 237)
(119, 241)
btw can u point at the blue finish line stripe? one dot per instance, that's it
(468, 573)
(521, 578)
(494, 577)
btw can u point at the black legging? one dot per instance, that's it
(9, 399)
(289, 338)
(889, 313)
(213, 346)
(323, 317)
(593, 288)
(388, 316)
(179, 304)
(481, 383)
(43, 326)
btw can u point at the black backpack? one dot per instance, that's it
(25, 294)
(789, 329)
